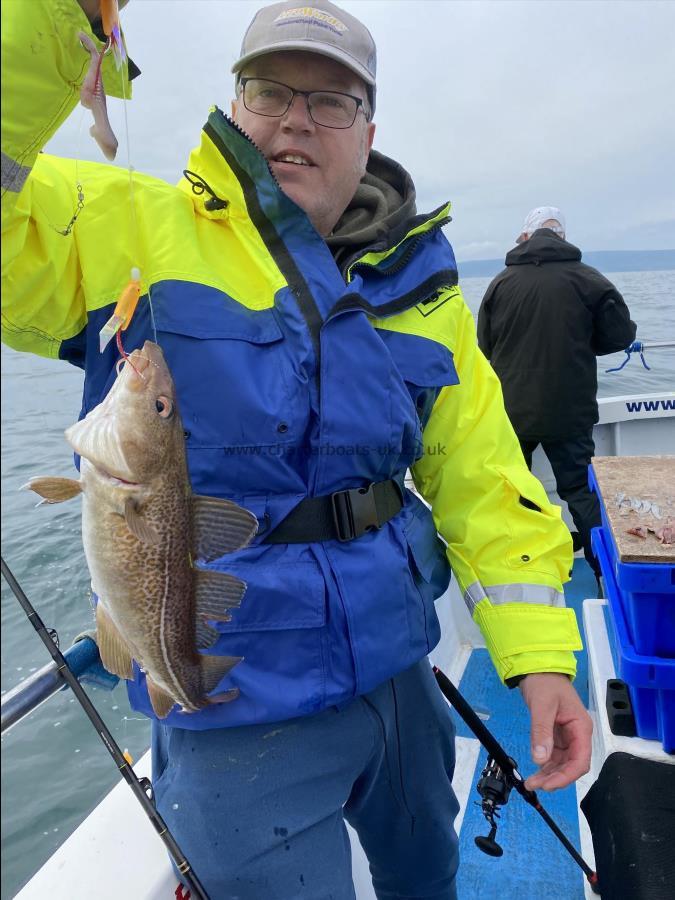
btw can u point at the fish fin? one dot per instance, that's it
(214, 668)
(219, 526)
(206, 634)
(162, 703)
(54, 489)
(225, 697)
(115, 654)
(145, 533)
(215, 593)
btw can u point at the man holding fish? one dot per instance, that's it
(315, 347)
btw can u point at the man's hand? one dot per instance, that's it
(560, 731)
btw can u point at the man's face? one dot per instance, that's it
(329, 162)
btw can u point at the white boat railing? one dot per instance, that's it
(628, 425)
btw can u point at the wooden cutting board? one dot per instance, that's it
(625, 480)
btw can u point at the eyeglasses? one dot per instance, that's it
(331, 109)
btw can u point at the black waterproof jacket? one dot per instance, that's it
(542, 322)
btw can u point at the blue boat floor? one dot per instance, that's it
(535, 865)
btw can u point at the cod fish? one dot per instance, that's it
(142, 529)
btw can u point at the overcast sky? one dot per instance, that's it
(496, 105)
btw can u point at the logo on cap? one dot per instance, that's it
(311, 16)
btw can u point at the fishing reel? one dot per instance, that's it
(494, 787)
(498, 778)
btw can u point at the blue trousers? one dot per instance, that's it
(259, 810)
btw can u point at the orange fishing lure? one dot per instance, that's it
(124, 310)
(110, 16)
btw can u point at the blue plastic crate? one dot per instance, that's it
(646, 593)
(650, 679)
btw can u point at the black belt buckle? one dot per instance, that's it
(354, 512)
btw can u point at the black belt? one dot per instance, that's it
(341, 516)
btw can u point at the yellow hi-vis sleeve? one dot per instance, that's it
(43, 66)
(510, 559)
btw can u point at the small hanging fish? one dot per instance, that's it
(92, 96)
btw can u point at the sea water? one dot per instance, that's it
(55, 768)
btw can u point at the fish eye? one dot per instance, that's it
(164, 407)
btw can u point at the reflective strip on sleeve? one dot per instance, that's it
(13, 175)
(498, 594)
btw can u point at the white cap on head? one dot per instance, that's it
(317, 27)
(535, 219)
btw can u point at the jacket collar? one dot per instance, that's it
(217, 170)
(227, 158)
(544, 246)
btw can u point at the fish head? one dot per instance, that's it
(136, 432)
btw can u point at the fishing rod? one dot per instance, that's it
(640, 347)
(141, 787)
(497, 779)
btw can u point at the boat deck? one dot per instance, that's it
(534, 866)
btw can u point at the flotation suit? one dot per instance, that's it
(296, 379)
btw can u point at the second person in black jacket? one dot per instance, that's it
(542, 322)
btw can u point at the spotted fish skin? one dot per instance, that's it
(142, 528)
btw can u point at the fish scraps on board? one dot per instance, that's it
(142, 530)
(664, 527)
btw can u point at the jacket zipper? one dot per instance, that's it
(413, 243)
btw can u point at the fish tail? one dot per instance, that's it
(104, 136)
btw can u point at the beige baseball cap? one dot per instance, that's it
(319, 27)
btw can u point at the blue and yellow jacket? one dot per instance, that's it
(295, 380)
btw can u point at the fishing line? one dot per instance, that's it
(130, 169)
(128, 300)
(141, 787)
(67, 229)
(78, 181)
(136, 234)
